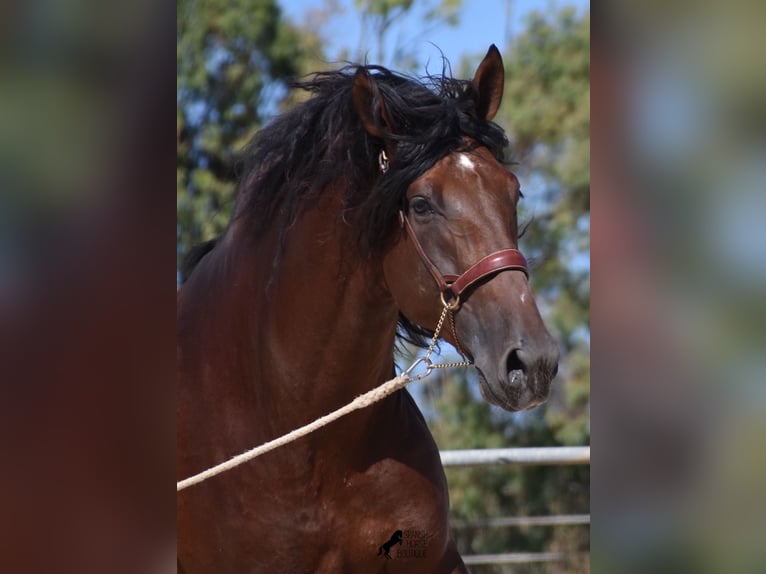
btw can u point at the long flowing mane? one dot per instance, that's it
(291, 161)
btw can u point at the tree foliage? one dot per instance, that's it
(233, 57)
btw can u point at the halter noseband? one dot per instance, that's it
(452, 286)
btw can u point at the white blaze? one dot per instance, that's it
(466, 161)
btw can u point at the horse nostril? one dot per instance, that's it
(513, 362)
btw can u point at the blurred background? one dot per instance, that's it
(235, 59)
(678, 144)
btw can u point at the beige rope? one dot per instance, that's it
(359, 402)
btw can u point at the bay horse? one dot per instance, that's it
(349, 209)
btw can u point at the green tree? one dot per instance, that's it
(233, 57)
(545, 111)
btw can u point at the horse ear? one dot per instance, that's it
(488, 83)
(371, 106)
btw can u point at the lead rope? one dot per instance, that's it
(359, 402)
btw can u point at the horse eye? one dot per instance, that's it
(420, 206)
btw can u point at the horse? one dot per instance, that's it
(357, 213)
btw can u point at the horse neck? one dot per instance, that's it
(325, 323)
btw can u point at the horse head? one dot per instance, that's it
(458, 211)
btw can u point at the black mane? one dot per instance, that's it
(320, 141)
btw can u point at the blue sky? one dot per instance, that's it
(480, 24)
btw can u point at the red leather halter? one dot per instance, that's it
(452, 286)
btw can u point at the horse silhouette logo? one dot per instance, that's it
(396, 538)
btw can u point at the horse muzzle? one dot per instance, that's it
(522, 378)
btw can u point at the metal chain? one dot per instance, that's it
(454, 334)
(449, 308)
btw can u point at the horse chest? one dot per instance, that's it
(370, 521)
(341, 514)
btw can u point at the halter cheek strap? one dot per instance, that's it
(454, 285)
